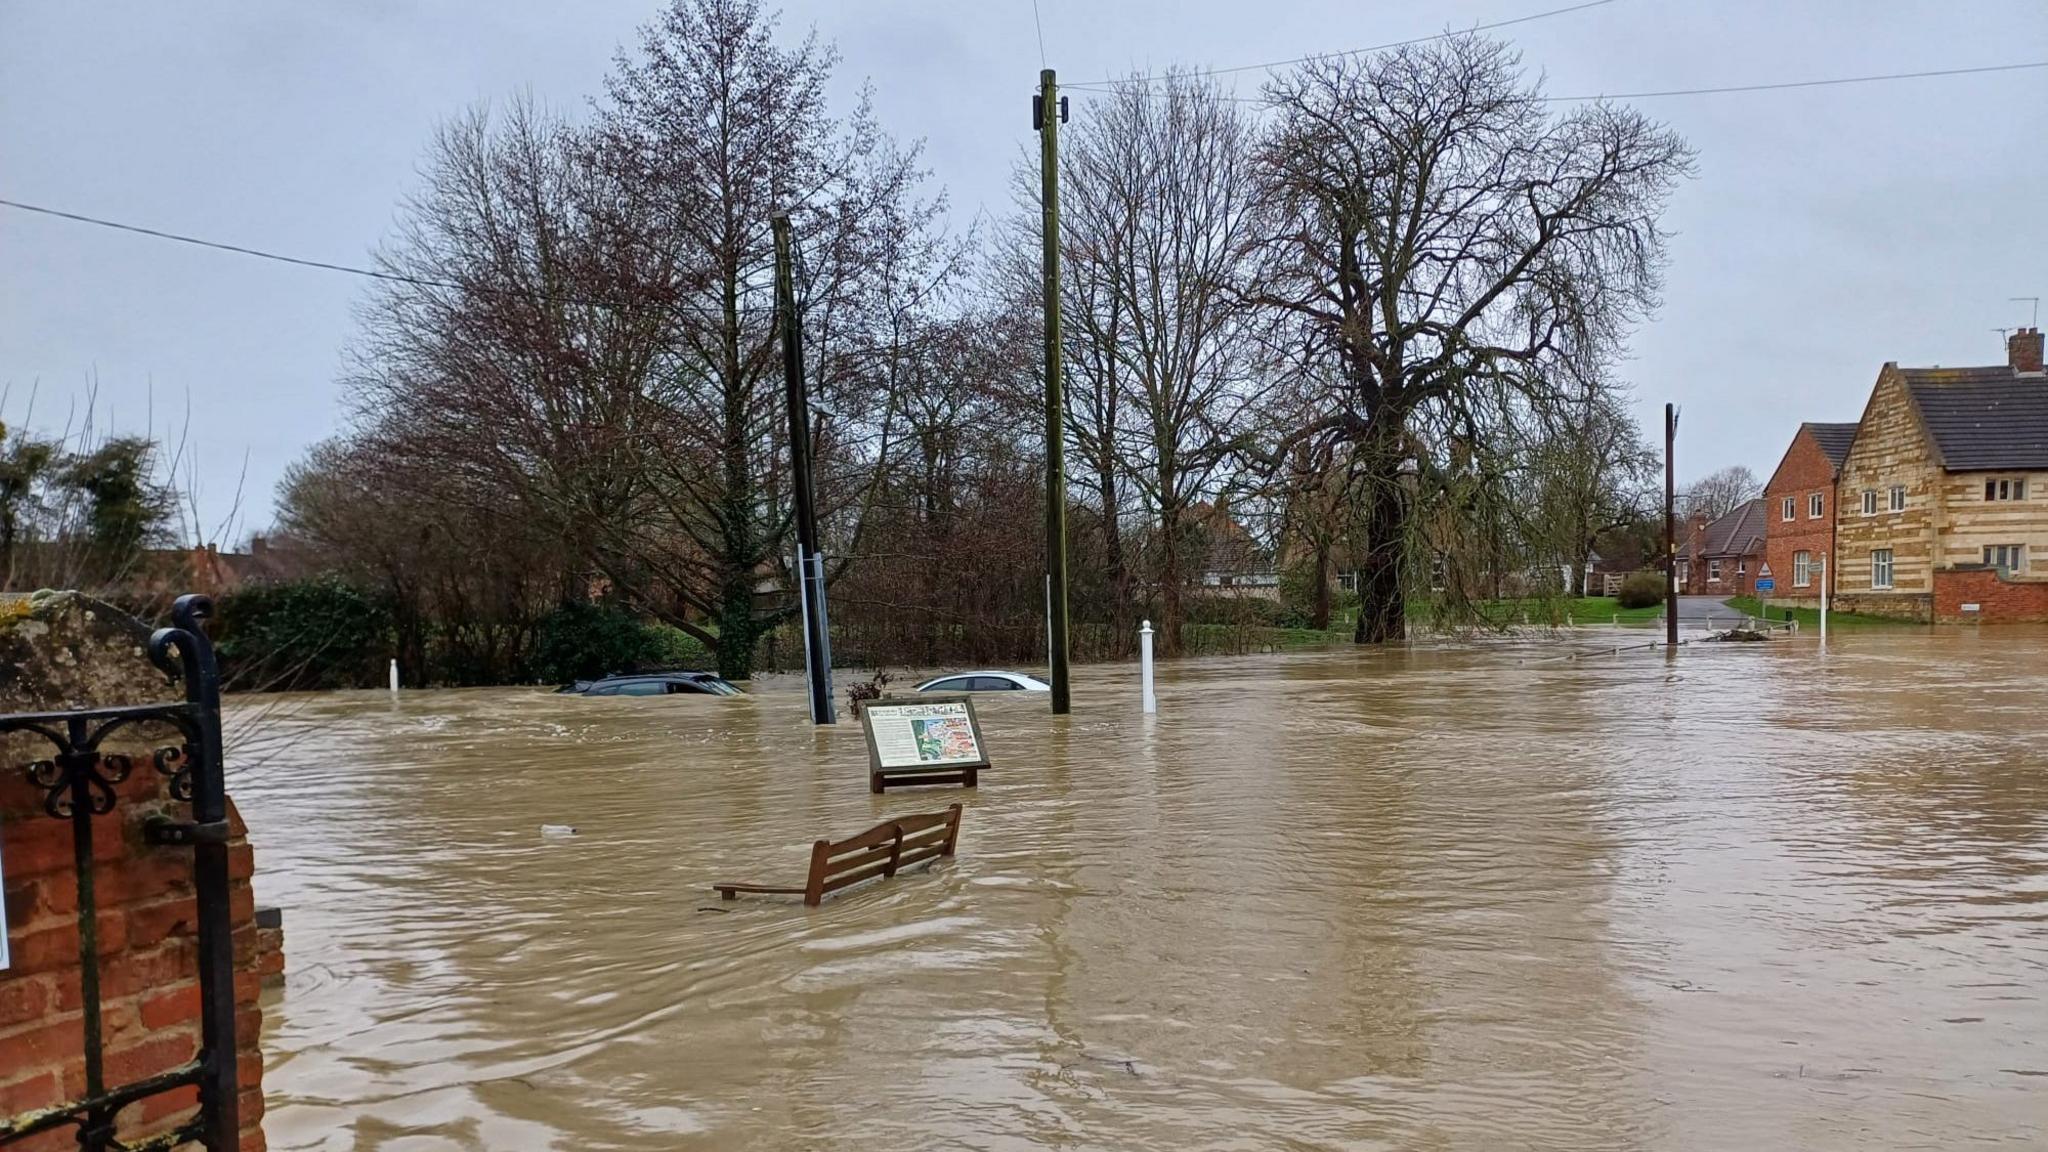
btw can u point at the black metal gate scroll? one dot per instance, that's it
(78, 783)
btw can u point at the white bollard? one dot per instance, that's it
(394, 676)
(1145, 666)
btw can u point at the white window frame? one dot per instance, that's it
(1881, 562)
(1741, 566)
(1814, 506)
(1898, 498)
(1684, 572)
(1802, 569)
(1713, 571)
(1870, 501)
(1789, 509)
(2005, 488)
(1996, 555)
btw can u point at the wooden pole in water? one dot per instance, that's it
(1048, 110)
(811, 596)
(1670, 530)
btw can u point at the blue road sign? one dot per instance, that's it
(1766, 584)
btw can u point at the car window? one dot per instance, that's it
(691, 687)
(950, 684)
(640, 688)
(994, 684)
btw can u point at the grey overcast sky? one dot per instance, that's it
(1829, 230)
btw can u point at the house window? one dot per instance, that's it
(1790, 510)
(1881, 568)
(1813, 506)
(1684, 571)
(2006, 557)
(1714, 571)
(1802, 569)
(1870, 501)
(1898, 497)
(2006, 489)
(1742, 567)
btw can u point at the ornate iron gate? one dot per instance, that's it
(78, 784)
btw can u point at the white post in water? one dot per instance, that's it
(1145, 666)
(1823, 601)
(394, 675)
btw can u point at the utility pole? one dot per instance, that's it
(810, 567)
(1670, 531)
(1047, 110)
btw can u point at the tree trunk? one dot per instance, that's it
(1319, 605)
(1171, 611)
(1382, 609)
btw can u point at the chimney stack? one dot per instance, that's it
(2023, 350)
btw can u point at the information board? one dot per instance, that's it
(1766, 584)
(933, 732)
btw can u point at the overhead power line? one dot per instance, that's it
(1354, 51)
(1717, 91)
(371, 273)
(1805, 83)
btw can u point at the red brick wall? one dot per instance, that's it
(1998, 600)
(149, 983)
(1804, 471)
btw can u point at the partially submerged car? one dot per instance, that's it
(653, 684)
(985, 680)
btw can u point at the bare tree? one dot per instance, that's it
(1437, 245)
(715, 129)
(1590, 473)
(1157, 206)
(1720, 492)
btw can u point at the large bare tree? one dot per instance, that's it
(1722, 491)
(714, 129)
(1157, 228)
(1438, 243)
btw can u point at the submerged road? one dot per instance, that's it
(1732, 897)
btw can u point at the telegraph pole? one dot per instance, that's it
(1048, 109)
(810, 567)
(1670, 532)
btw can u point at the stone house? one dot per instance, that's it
(1799, 508)
(1944, 493)
(1720, 557)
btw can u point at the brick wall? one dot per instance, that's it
(1803, 472)
(1999, 600)
(149, 985)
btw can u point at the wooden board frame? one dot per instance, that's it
(882, 779)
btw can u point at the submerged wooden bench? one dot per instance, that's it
(884, 850)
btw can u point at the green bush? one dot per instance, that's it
(1641, 590)
(584, 641)
(1233, 608)
(675, 648)
(319, 633)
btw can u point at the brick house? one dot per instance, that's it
(1799, 511)
(1944, 510)
(1720, 557)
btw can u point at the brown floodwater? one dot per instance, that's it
(1452, 897)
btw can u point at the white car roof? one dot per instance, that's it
(986, 672)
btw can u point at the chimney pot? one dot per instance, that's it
(2023, 350)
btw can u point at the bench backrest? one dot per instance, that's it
(881, 851)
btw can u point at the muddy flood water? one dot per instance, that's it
(1453, 897)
